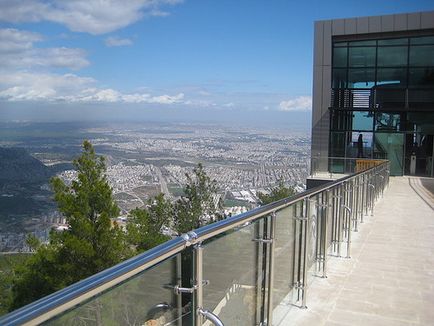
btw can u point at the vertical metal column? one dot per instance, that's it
(179, 281)
(339, 219)
(326, 216)
(356, 203)
(271, 268)
(305, 251)
(362, 197)
(198, 284)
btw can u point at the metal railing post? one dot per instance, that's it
(354, 204)
(305, 251)
(271, 269)
(326, 215)
(198, 284)
(372, 201)
(339, 219)
(362, 200)
(348, 209)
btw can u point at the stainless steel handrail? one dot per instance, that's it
(60, 301)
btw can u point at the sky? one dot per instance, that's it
(218, 60)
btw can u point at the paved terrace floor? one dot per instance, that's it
(390, 278)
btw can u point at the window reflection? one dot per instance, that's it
(362, 57)
(392, 76)
(421, 77)
(340, 57)
(387, 121)
(422, 55)
(361, 78)
(392, 56)
(362, 120)
(339, 78)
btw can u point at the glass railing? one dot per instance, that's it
(238, 271)
(336, 167)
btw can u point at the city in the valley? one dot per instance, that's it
(143, 160)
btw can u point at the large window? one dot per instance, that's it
(396, 62)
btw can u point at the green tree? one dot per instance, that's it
(198, 206)
(8, 263)
(90, 244)
(277, 193)
(144, 225)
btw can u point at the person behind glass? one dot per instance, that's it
(360, 146)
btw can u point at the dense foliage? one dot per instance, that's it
(277, 193)
(145, 225)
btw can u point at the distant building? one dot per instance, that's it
(373, 92)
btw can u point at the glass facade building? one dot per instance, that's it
(381, 94)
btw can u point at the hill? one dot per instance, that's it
(17, 165)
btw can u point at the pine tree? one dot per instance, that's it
(90, 244)
(198, 207)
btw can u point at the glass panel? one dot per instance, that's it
(312, 239)
(421, 77)
(139, 300)
(233, 266)
(387, 121)
(422, 40)
(339, 57)
(390, 146)
(337, 165)
(392, 56)
(362, 57)
(422, 55)
(361, 78)
(362, 120)
(393, 41)
(339, 78)
(392, 76)
(284, 267)
(362, 43)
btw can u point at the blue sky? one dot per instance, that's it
(187, 58)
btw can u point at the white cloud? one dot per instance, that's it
(26, 86)
(90, 16)
(17, 52)
(167, 99)
(13, 40)
(112, 96)
(116, 41)
(300, 103)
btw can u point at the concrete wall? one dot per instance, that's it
(359, 27)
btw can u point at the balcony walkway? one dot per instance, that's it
(390, 278)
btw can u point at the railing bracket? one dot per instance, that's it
(177, 289)
(263, 240)
(301, 218)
